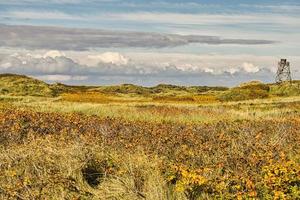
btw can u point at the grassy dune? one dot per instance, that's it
(166, 142)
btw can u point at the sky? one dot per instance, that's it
(108, 42)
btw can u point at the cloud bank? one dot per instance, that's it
(35, 37)
(111, 68)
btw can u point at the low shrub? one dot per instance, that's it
(238, 94)
(286, 89)
(246, 91)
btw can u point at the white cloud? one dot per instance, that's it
(160, 17)
(62, 78)
(46, 15)
(232, 70)
(108, 57)
(148, 62)
(207, 19)
(208, 70)
(287, 8)
(216, 62)
(53, 54)
(37, 64)
(149, 67)
(250, 68)
(6, 65)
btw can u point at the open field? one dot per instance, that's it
(165, 142)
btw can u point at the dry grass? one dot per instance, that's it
(187, 113)
(237, 150)
(96, 97)
(53, 169)
(92, 145)
(165, 142)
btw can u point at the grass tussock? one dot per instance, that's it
(49, 169)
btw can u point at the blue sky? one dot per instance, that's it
(223, 42)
